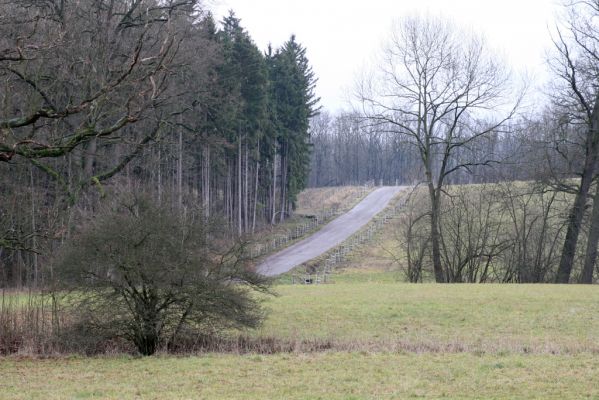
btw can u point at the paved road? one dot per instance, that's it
(332, 234)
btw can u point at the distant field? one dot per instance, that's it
(385, 340)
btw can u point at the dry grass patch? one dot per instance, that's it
(377, 255)
(341, 198)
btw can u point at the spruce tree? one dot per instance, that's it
(295, 102)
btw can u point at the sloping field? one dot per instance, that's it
(341, 198)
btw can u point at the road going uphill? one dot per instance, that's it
(331, 235)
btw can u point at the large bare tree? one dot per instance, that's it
(441, 89)
(576, 96)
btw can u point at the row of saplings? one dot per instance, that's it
(143, 274)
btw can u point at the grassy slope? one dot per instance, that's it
(375, 256)
(456, 341)
(314, 200)
(379, 254)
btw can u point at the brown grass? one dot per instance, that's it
(341, 198)
(28, 324)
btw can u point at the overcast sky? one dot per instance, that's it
(342, 35)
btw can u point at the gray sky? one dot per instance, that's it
(341, 36)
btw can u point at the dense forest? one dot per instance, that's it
(101, 98)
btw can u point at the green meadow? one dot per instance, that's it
(378, 339)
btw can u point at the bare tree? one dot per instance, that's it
(577, 95)
(434, 85)
(77, 73)
(472, 235)
(146, 276)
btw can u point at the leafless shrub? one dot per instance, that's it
(144, 274)
(29, 324)
(412, 254)
(535, 230)
(471, 235)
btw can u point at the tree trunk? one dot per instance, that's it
(239, 220)
(206, 181)
(33, 229)
(229, 194)
(284, 161)
(180, 171)
(434, 196)
(591, 251)
(274, 189)
(255, 197)
(159, 183)
(435, 235)
(246, 198)
(577, 212)
(574, 223)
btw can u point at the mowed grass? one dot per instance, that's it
(464, 317)
(388, 340)
(330, 375)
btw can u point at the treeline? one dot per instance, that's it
(102, 97)
(503, 219)
(347, 150)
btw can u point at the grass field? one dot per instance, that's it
(331, 375)
(386, 340)
(474, 318)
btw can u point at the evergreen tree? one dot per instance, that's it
(295, 103)
(244, 76)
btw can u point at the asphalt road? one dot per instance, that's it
(332, 234)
